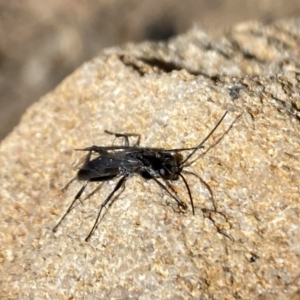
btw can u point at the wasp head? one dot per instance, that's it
(170, 167)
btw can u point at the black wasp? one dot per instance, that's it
(124, 161)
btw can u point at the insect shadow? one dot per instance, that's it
(158, 164)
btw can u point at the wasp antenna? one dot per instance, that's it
(207, 137)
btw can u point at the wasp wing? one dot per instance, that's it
(107, 166)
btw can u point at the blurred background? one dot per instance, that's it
(41, 42)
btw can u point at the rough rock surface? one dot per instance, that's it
(246, 246)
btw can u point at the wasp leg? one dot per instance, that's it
(180, 203)
(67, 185)
(189, 192)
(125, 136)
(116, 188)
(72, 204)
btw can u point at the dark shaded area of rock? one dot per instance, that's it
(172, 94)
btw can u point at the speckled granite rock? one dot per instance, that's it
(172, 94)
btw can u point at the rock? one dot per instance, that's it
(242, 242)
